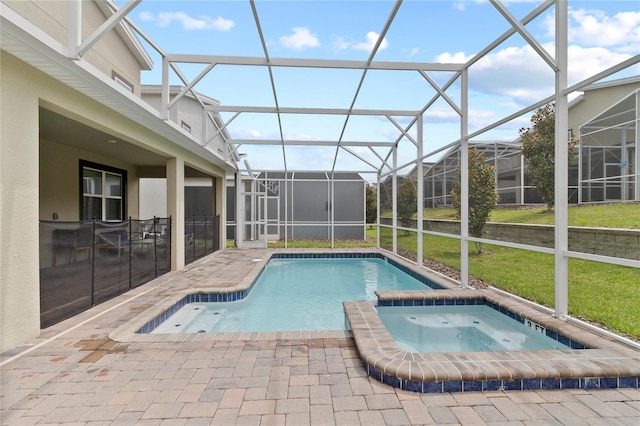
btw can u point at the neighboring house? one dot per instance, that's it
(386, 190)
(189, 114)
(605, 121)
(76, 139)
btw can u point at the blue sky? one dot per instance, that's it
(512, 76)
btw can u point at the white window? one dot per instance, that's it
(102, 193)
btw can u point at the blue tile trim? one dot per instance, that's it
(426, 281)
(505, 385)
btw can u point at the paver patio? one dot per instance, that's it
(75, 374)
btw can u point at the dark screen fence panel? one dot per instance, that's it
(201, 237)
(65, 272)
(112, 266)
(86, 263)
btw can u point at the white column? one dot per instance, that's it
(333, 215)
(420, 195)
(378, 186)
(561, 166)
(464, 181)
(164, 96)
(580, 168)
(239, 210)
(522, 180)
(286, 209)
(636, 165)
(175, 208)
(220, 187)
(394, 201)
(74, 27)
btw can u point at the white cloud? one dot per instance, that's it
(164, 19)
(300, 39)
(411, 52)
(300, 137)
(372, 38)
(453, 58)
(245, 134)
(520, 74)
(477, 117)
(594, 28)
(442, 115)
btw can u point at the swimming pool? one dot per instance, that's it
(463, 328)
(603, 363)
(296, 294)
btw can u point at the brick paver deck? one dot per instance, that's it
(74, 373)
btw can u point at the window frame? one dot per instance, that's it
(121, 81)
(104, 170)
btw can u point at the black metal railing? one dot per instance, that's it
(83, 264)
(202, 237)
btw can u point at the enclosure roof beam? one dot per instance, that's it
(372, 55)
(344, 148)
(313, 63)
(325, 111)
(309, 142)
(519, 27)
(530, 17)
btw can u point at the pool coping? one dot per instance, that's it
(128, 332)
(605, 363)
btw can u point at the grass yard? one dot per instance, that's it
(605, 294)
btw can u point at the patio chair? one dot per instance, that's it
(72, 241)
(116, 239)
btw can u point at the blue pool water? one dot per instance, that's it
(462, 329)
(295, 295)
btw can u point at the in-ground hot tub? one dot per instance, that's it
(605, 363)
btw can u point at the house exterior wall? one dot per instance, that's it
(189, 111)
(59, 181)
(29, 193)
(109, 55)
(19, 271)
(596, 101)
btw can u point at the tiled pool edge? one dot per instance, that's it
(128, 332)
(608, 365)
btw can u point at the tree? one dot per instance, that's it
(407, 202)
(538, 147)
(371, 205)
(482, 194)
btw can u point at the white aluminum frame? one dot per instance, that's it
(76, 48)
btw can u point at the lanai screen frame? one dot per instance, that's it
(614, 125)
(389, 165)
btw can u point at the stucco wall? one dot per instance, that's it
(59, 180)
(19, 272)
(22, 199)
